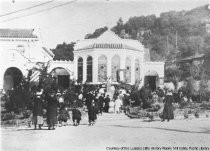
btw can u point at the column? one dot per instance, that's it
(132, 71)
(84, 69)
(95, 69)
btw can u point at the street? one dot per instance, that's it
(122, 134)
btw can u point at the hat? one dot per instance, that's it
(58, 93)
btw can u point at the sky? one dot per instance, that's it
(76, 18)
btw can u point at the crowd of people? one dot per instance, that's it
(95, 103)
(52, 105)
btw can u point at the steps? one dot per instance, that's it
(112, 116)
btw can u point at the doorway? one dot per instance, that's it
(12, 78)
(150, 81)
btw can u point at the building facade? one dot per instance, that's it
(110, 57)
(96, 61)
(20, 51)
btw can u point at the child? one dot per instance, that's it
(76, 116)
(63, 116)
(30, 120)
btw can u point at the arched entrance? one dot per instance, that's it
(62, 77)
(12, 78)
(151, 79)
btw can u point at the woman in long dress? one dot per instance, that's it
(168, 107)
(92, 111)
(38, 110)
(52, 105)
(118, 104)
(111, 106)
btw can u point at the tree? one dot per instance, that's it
(173, 74)
(119, 27)
(96, 33)
(64, 51)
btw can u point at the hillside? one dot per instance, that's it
(172, 32)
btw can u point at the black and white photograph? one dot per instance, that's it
(105, 75)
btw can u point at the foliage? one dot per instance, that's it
(205, 105)
(190, 87)
(203, 90)
(70, 95)
(145, 97)
(46, 81)
(19, 99)
(174, 74)
(96, 33)
(7, 116)
(206, 64)
(64, 51)
(171, 36)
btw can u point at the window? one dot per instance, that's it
(80, 70)
(115, 67)
(89, 69)
(102, 68)
(128, 70)
(137, 70)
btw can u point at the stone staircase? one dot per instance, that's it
(112, 116)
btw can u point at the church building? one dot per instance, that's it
(110, 57)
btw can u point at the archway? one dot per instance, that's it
(62, 77)
(137, 70)
(12, 78)
(115, 67)
(151, 80)
(102, 68)
(89, 69)
(128, 70)
(80, 69)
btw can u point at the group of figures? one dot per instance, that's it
(94, 103)
(58, 112)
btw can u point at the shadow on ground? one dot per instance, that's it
(206, 131)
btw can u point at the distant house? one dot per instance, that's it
(21, 50)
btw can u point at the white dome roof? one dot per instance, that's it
(109, 40)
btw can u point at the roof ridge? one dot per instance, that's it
(17, 33)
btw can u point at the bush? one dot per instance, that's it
(183, 104)
(27, 113)
(7, 116)
(205, 105)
